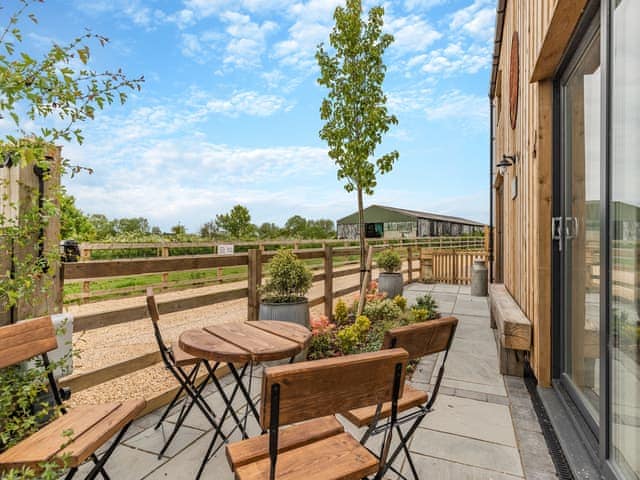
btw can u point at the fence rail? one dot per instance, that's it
(449, 266)
(173, 270)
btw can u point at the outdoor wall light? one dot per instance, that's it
(507, 161)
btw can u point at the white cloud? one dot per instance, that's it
(411, 33)
(454, 59)
(248, 39)
(422, 4)
(248, 103)
(476, 20)
(191, 46)
(459, 105)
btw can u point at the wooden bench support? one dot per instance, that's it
(513, 330)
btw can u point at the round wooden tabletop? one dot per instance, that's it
(241, 342)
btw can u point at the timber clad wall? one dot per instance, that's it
(522, 233)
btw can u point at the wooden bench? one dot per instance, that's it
(513, 330)
(73, 437)
(318, 449)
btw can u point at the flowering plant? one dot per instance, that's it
(321, 324)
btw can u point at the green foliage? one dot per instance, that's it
(401, 302)
(382, 310)
(349, 337)
(427, 302)
(299, 227)
(103, 227)
(54, 92)
(425, 308)
(237, 223)
(389, 261)
(73, 223)
(354, 112)
(341, 314)
(269, 231)
(209, 230)
(289, 281)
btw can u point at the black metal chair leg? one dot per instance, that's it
(247, 396)
(192, 377)
(403, 440)
(105, 475)
(99, 466)
(71, 473)
(228, 401)
(407, 453)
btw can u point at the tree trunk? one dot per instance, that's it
(363, 248)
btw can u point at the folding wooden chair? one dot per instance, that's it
(319, 449)
(418, 340)
(175, 360)
(90, 426)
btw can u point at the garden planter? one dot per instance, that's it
(297, 312)
(391, 284)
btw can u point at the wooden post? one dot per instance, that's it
(410, 262)
(366, 279)
(85, 254)
(254, 282)
(328, 281)
(86, 290)
(165, 275)
(487, 234)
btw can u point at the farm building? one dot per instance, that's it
(391, 222)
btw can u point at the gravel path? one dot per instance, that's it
(105, 346)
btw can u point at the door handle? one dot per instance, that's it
(556, 231)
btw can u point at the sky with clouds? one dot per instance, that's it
(229, 112)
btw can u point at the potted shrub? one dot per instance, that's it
(284, 294)
(390, 279)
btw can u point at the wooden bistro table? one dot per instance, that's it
(245, 344)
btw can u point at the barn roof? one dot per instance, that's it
(413, 214)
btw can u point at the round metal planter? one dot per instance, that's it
(391, 284)
(287, 312)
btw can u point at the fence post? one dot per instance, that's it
(366, 279)
(410, 262)
(165, 275)
(254, 282)
(328, 280)
(85, 254)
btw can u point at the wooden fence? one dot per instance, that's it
(210, 275)
(449, 266)
(253, 260)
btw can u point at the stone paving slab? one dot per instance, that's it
(483, 426)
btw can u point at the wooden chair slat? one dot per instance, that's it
(25, 340)
(181, 357)
(49, 440)
(152, 306)
(94, 438)
(339, 457)
(333, 385)
(296, 436)
(362, 417)
(422, 339)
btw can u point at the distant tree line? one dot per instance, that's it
(233, 225)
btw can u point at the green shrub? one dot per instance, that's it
(322, 345)
(289, 281)
(419, 315)
(427, 302)
(351, 336)
(401, 302)
(389, 261)
(341, 315)
(382, 310)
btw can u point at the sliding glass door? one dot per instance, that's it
(578, 228)
(624, 235)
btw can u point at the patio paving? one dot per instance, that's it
(483, 426)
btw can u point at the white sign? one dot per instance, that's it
(225, 249)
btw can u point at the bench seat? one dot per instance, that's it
(89, 427)
(513, 330)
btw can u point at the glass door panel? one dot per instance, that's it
(581, 228)
(624, 232)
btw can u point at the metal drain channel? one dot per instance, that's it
(555, 451)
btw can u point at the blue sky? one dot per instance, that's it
(229, 112)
